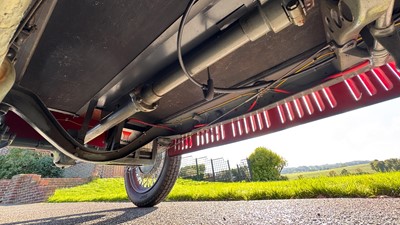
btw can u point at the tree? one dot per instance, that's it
(386, 165)
(374, 164)
(392, 164)
(344, 172)
(379, 166)
(19, 161)
(265, 164)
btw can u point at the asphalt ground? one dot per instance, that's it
(301, 211)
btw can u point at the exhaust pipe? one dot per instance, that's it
(271, 16)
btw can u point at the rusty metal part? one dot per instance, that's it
(11, 14)
(7, 78)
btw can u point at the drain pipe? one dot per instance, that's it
(271, 16)
(11, 14)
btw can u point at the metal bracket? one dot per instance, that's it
(142, 156)
(88, 117)
(115, 136)
(61, 160)
(344, 20)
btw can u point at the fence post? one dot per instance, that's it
(229, 169)
(212, 168)
(239, 173)
(249, 167)
(197, 171)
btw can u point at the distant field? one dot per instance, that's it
(365, 168)
(368, 185)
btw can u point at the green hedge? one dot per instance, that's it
(19, 161)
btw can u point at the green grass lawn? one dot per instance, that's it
(107, 189)
(365, 168)
(368, 185)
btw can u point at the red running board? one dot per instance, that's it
(334, 97)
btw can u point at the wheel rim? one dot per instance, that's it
(143, 178)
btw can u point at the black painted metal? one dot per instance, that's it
(88, 118)
(86, 43)
(29, 107)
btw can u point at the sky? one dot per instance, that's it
(364, 134)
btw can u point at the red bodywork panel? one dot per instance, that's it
(377, 85)
(22, 129)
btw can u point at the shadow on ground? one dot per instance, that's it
(104, 217)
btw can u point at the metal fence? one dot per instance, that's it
(205, 169)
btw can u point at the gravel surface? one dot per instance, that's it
(302, 211)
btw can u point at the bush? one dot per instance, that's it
(284, 178)
(265, 165)
(345, 172)
(332, 173)
(360, 172)
(225, 175)
(19, 161)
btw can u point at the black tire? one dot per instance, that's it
(159, 190)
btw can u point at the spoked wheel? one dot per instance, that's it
(147, 186)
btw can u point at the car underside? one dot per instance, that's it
(139, 83)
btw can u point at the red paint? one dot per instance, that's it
(353, 89)
(382, 78)
(70, 123)
(330, 98)
(355, 69)
(281, 91)
(342, 97)
(366, 82)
